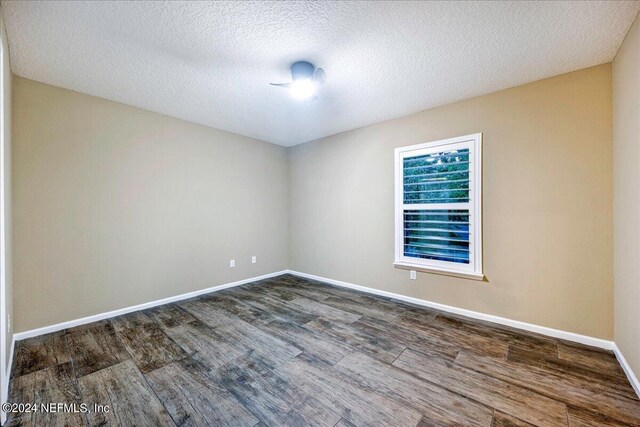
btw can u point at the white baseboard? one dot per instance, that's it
(635, 383)
(543, 330)
(96, 317)
(569, 336)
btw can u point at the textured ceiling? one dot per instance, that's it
(211, 62)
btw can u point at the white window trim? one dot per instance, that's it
(4, 369)
(474, 269)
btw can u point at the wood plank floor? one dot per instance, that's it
(291, 351)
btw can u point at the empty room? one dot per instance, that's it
(320, 213)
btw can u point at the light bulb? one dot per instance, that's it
(303, 89)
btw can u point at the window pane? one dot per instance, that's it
(441, 235)
(441, 177)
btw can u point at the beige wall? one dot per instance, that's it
(547, 203)
(116, 206)
(626, 208)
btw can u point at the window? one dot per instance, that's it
(438, 206)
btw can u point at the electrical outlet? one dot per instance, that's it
(232, 263)
(254, 259)
(412, 274)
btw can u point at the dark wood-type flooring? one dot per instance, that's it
(290, 351)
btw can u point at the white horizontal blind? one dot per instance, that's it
(437, 220)
(437, 234)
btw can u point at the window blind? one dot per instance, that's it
(437, 234)
(437, 178)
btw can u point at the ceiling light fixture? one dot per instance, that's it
(306, 80)
(303, 89)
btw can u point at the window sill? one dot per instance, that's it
(454, 273)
